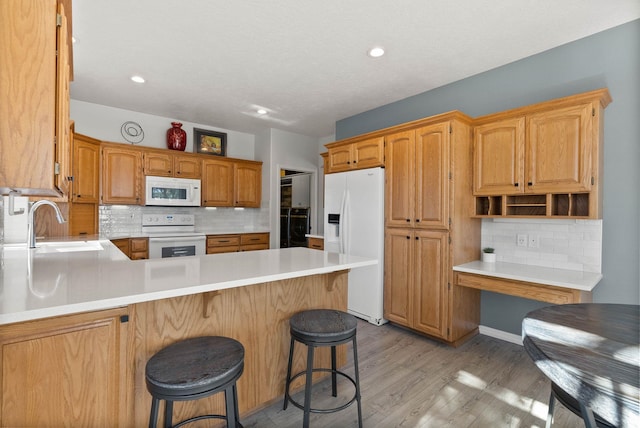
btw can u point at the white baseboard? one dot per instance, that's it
(499, 334)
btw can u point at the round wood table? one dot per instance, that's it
(592, 352)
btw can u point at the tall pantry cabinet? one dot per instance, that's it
(428, 227)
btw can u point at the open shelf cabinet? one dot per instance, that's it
(560, 205)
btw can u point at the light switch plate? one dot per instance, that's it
(521, 240)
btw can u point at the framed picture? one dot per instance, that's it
(209, 142)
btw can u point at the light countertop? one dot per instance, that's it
(578, 280)
(36, 285)
(308, 235)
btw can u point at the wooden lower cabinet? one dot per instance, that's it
(416, 280)
(67, 371)
(315, 243)
(134, 248)
(237, 242)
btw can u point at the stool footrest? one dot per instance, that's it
(198, 418)
(330, 410)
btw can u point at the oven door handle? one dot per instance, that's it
(179, 238)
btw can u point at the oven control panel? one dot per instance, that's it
(168, 220)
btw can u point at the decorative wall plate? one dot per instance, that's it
(132, 132)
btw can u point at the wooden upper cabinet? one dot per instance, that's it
(34, 98)
(432, 175)
(559, 150)
(217, 183)
(86, 169)
(187, 166)
(550, 147)
(164, 163)
(499, 157)
(417, 177)
(248, 184)
(63, 167)
(400, 179)
(121, 175)
(346, 156)
(158, 163)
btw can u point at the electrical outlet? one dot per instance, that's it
(521, 240)
(534, 241)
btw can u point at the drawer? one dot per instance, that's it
(222, 249)
(315, 243)
(254, 238)
(223, 240)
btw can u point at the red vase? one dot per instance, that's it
(176, 137)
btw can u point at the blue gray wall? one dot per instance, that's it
(608, 59)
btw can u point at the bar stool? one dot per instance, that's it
(316, 328)
(192, 369)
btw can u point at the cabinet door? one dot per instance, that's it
(28, 96)
(86, 170)
(248, 184)
(121, 176)
(368, 153)
(185, 166)
(158, 164)
(559, 150)
(499, 157)
(63, 168)
(217, 183)
(83, 219)
(430, 290)
(432, 176)
(66, 371)
(398, 276)
(400, 179)
(340, 158)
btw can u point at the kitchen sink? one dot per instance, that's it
(68, 246)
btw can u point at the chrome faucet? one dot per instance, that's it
(32, 223)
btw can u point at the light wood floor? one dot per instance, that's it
(410, 381)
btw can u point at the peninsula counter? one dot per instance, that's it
(76, 328)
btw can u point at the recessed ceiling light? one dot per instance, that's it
(376, 52)
(262, 111)
(137, 79)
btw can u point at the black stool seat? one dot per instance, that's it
(317, 328)
(195, 368)
(323, 326)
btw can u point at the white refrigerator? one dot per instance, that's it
(354, 224)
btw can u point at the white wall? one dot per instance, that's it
(104, 123)
(297, 152)
(320, 210)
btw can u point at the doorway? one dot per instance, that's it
(295, 202)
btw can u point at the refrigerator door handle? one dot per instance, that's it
(341, 239)
(347, 221)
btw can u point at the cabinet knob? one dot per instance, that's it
(408, 237)
(417, 238)
(78, 196)
(516, 184)
(417, 220)
(408, 220)
(529, 184)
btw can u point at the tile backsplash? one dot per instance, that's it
(563, 244)
(126, 220)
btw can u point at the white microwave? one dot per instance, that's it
(169, 191)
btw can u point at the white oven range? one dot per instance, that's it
(173, 235)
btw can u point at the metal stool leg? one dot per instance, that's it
(357, 377)
(307, 387)
(552, 402)
(230, 403)
(153, 417)
(168, 413)
(334, 376)
(286, 386)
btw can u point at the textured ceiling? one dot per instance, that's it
(215, 62)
